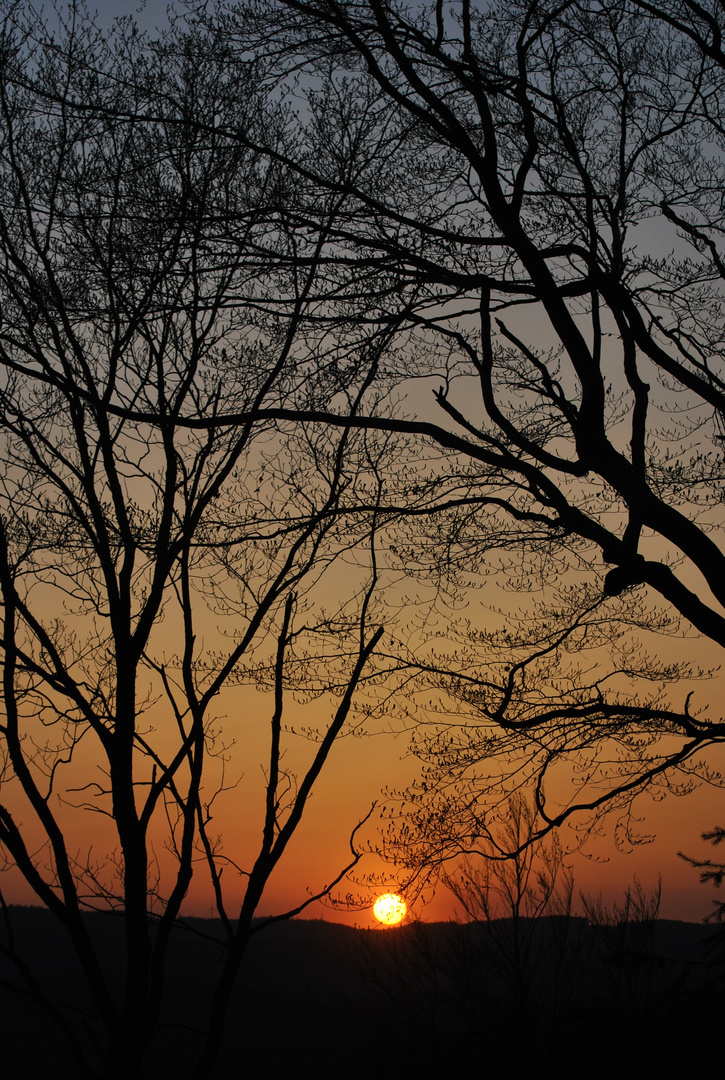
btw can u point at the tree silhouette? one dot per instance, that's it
(145, 566)
(711, 872)
(533, 210)
(523, 906)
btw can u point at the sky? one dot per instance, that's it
(359, 770)
(149, 15)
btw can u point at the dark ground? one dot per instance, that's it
(322, 1000)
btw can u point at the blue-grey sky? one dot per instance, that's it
(149, 15)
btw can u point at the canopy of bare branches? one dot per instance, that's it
(533, 215)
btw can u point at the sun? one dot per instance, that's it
(390, 909)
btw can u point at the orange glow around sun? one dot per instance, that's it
(390, 909)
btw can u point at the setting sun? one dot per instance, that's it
(390, 909)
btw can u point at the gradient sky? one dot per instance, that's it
(360, 767)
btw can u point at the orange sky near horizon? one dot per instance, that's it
(358, 768)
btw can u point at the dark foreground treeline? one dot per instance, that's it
(558, 997)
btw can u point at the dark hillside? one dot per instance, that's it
(428, 999)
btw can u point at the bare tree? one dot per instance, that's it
(145, 565)
(523, 907)
(533, 211)
(631, 980)
(510, 973)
